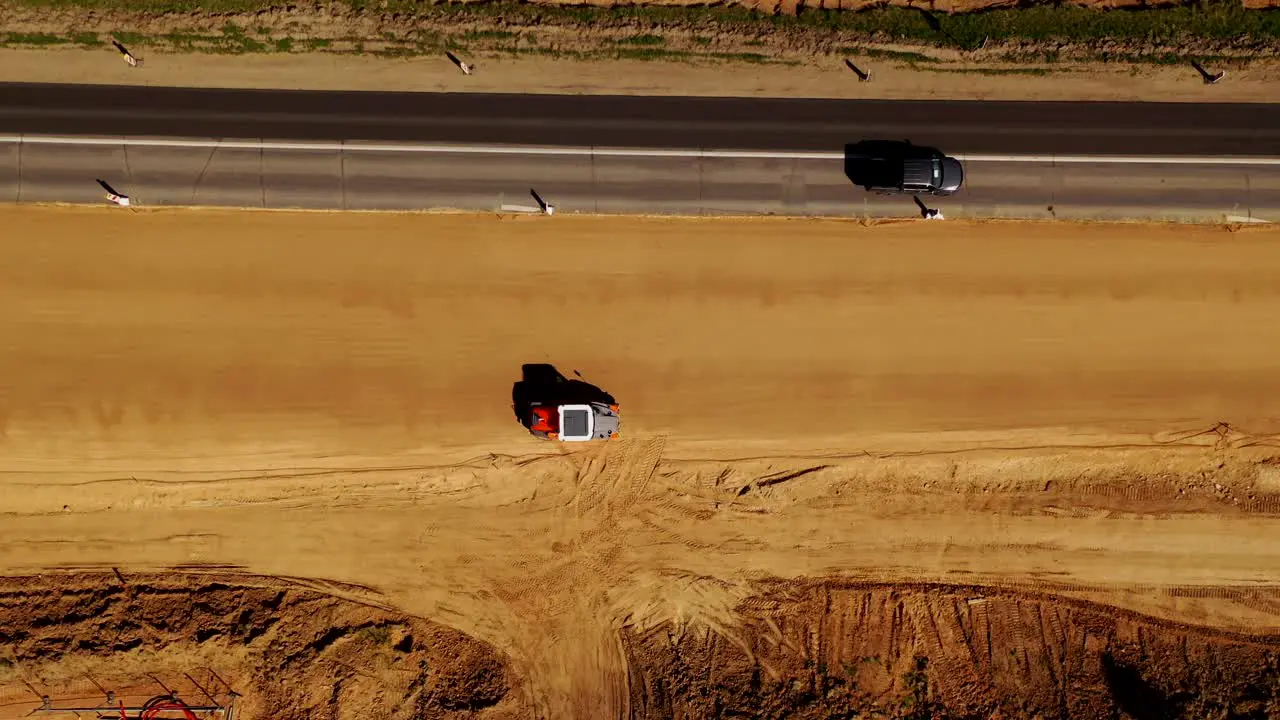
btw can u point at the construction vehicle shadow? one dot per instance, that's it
(541, 384)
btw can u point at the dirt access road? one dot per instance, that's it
(1082, 409)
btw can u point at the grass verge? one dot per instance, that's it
(1208, 29)
(1217, 20)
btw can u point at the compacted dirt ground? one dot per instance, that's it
(895, 467)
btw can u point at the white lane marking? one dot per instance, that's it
(355, 146)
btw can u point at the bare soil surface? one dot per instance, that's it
(1047, 414)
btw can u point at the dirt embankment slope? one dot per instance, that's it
(1070, 410)
(822, 651)
(281, 649)
(285, 650)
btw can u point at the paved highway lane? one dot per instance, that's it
(649, 122)
(383, 179)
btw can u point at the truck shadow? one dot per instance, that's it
(543, 384)
(871, 163)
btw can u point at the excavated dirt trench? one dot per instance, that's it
(839, 651)
(291, 653)
(799, 650)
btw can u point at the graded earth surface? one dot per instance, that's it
(976, 469)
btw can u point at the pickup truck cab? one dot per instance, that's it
(575, 423)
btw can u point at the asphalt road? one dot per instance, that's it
(648, 122)
(362, 179)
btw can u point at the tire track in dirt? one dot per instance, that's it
(601, 541)
(564, 624)
(615, 499)
(169, 488)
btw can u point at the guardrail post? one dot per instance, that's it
(262, 170)
(342, 172)
(18, 197)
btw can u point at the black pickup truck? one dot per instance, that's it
(900, 167)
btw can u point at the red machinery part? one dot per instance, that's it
(153, 708)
